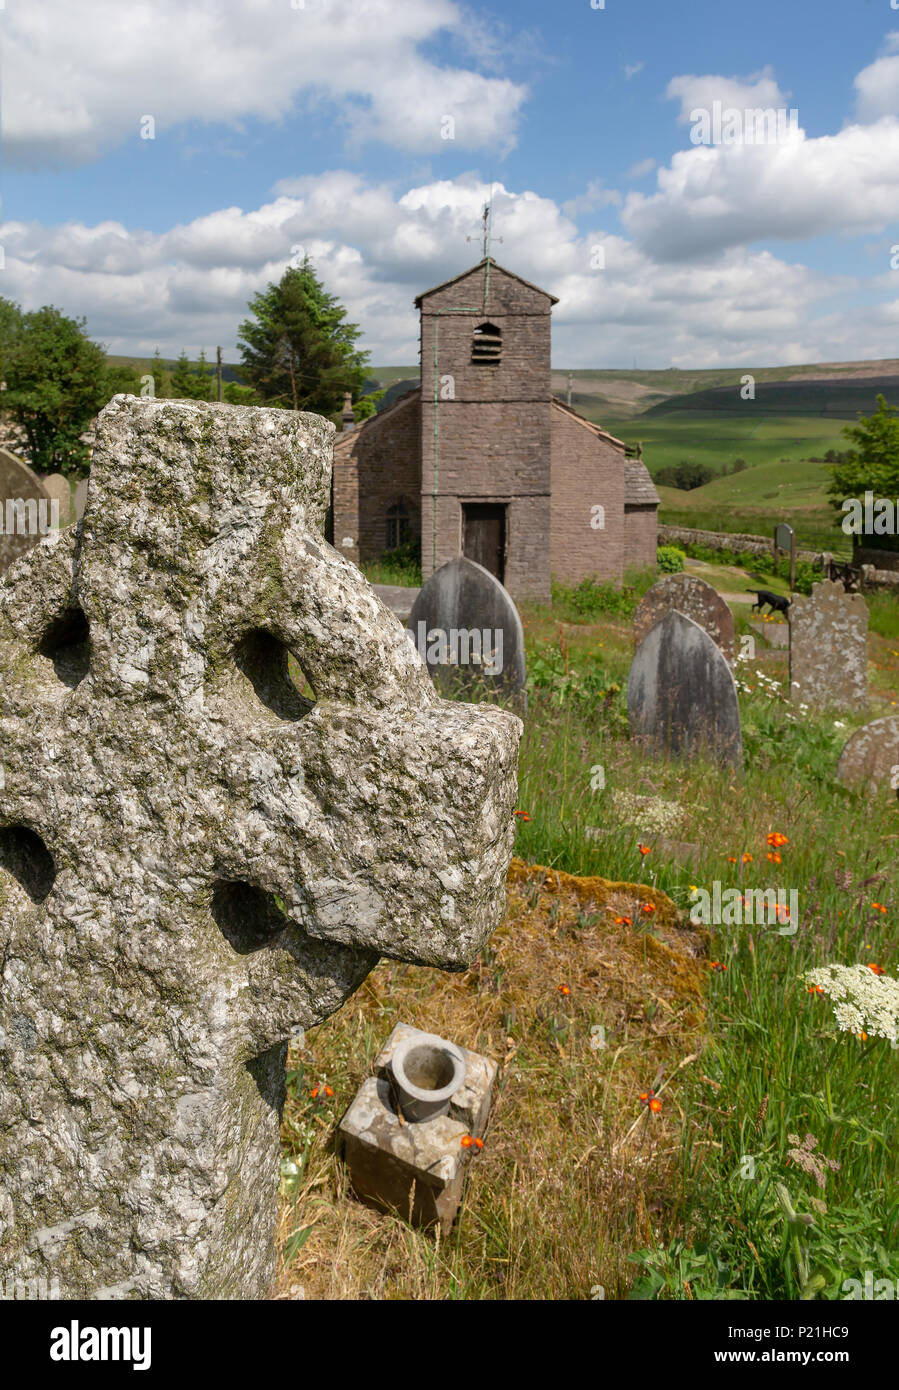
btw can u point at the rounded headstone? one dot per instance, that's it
(870, 760)
(468, 631)
(19, 521)
(695, 599)
(829, 648)
(681, 695)
(57, 489)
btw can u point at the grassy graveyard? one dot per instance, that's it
(760, 1161)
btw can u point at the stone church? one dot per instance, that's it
(483, 460)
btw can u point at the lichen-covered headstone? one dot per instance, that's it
(870, 760)
(681, 695)
(466, 627)
(195, 860)
(829, 648)
(695, 599)
(24, 509)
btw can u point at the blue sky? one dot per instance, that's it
(368, 131)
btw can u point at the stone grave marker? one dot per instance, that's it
(468, 631)
(695, 599)
(829, 648)
(24, 509)
(870, 760)
(681, 695)
(58, 490)
(196, 862)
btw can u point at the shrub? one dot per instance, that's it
(670, 560)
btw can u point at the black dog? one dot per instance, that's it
(775, 603)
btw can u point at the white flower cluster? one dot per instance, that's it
(650, 813)
(863, 1001)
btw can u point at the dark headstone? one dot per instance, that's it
(695, 599)
(468, 631)
(23, 520)
(681, 696)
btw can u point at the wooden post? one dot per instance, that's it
(218, 373)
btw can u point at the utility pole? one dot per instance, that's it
(218, 374)
(569, 390)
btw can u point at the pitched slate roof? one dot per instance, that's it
(639, 489)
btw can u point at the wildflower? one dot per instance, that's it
(644, 849)
(878, 969)
(648, 908)
(879, 906)
(564, 989)
(815, 989)
(523, 815)
(651, 1101)
(863, 1001)
(773, 856)
(731, 859)
(479, 1143)
(466, 1141)
(692, 887)
(838, 724)
(717, 965)
(314, 1092)
(747, 858)
(623, 922)
(776, 840)
(804, 1157)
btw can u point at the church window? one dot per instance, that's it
(486, 343)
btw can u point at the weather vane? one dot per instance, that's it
(486, 234)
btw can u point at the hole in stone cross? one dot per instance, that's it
(275, 675)
(66, 643)
(428, 1068)
(247, 917)
(24, 855)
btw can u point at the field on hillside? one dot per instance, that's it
(597, 991)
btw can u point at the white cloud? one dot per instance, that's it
(78, 78)
(376, 247)
(641, 168)
(700, 93)
(631, 69)
(593, 198)
(714, 197)
(877, 86)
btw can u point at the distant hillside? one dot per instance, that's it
(839, 397)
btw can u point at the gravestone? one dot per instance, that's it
(58, 490)
(681, 695)
(695, 599)
(870, 760)
(196, 861)
(24, 509)
(829, 648)
(468, 631)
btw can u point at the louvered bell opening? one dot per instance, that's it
(486, 344)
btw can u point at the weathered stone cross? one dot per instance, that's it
(194, 859)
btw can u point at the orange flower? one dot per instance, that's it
(648, 908)
(732, 859)
(815, 989)
(644, 849)
(747, 858)
(651, 1101)
(878, 969)
(717, 965)
(523, 815)
(655, 1105)
(879, 906)
(862, 1036)
(466, 1141)
(773, 856)
(623, 922)
(564, 989)
(328, 1091)
(314, 1092)
(776, 840)
(479, 1144)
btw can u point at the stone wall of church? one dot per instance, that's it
(381, 468)
(586, 474)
